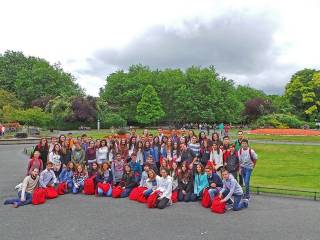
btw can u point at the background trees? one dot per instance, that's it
(31, 86)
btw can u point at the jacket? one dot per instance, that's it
(200, 182)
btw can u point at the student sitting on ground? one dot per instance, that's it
(232, 188)
(47, 177)
(215, 182)
(165, 190)
(66, 175)
(26, 189)
(128, 181)
(200, 183)
(104, 177)
(79, 177)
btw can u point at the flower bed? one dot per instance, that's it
(289, 131)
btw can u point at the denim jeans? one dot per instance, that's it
(184, 197)
(107, 194)
(28, 200)
(246, 174)
(147, 192)
(212, 192)
(126, 192)
(76, 190)
(238, 204)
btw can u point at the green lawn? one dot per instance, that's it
(287, 166)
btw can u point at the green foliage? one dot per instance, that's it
(7, 98)
(303, 91)
(30, 78)
(109, 120)
(196, 95)
(280, 121)
(149, 109)
(32, 116)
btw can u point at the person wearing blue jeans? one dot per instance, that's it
(29, 184)
(17, 201)
(247, 161)
(128, 181)
(246, 174)
(215, 182)
(107, 194)
(77, 188)
(231, 188)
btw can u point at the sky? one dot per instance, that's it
(256, 43)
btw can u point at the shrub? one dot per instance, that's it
(279, 121)
(112, 120)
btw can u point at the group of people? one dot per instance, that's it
(171, 167)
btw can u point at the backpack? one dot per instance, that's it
(250, 153)
(104, 187)
(38, 196)
(51, 192)
(218, 206)
(62, 188)
(88, 187)
(116, 192)
(206, 200)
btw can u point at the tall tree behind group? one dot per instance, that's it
(198, 94)
(30, 78)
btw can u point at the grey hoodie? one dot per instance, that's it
(232, 185)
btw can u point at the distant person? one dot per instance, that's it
(247, 160)
(29, 184)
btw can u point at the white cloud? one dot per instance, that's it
(72, 31)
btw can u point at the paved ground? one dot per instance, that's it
(86, 217)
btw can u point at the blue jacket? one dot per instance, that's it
(135, 167)
(215, 178)
(156, 152)
(200, 182)
(66, 175)
(148, 152)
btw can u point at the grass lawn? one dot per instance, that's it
(287, 166)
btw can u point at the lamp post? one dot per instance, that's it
(98, 124)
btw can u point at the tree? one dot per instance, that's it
(257, 107)
(7, 98)
(303, 91)
(149, 109)
(30, 78)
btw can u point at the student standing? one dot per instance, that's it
(247, 160)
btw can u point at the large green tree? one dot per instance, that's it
(30, 78)
(149, 109)
(303, 91)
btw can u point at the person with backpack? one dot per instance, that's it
(164, 190)
(79, 178)
(231, 188)
(104, 180)
(200, 182)
(29, 184)
(247, 160)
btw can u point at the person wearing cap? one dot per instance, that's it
(47, 176)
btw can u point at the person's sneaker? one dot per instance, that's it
(170, 202)
(229, 207)
(245, 202)
(15, 205)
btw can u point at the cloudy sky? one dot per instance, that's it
(259, 43)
